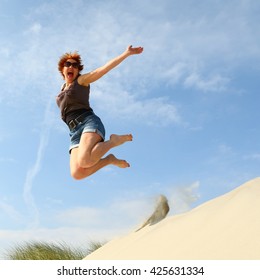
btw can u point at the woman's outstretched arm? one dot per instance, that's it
(93, 76)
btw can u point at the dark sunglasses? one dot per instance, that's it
(73, 64)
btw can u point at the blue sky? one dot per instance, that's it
(191, 101)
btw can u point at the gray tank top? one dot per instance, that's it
(74, 98)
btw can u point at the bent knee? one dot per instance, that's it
(79, 173)
(75, 174)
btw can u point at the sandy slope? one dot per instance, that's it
(227, 227)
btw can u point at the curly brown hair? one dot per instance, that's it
(67, 56)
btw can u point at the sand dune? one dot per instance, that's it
(227, 227)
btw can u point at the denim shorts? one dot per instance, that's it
(92, 123)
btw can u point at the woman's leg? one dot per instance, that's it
(79, 173)
(87, 158)
(92, 149)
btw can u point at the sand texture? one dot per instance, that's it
(225, 228)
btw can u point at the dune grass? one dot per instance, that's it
(49, 251)
(93, 246)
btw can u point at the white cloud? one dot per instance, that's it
(254, 156)
(5, 52)
(182, 49)
(121, 213)
(175, 73)
(196, 48)
(35, 28)
(182, 199)
(213, 83)
(7, 159)
(80, 216)
(125, 213)
(35, 169)
(155, 111)
(224, 149)
(223, 155)
(11, 212)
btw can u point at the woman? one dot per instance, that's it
(88, 145)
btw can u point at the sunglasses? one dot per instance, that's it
(73, 64)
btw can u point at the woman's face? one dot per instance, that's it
(70, 70)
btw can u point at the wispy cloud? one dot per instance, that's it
(11, 212)
(125, 105)
(7, 160)
(128, 213)
(119, 214)
(182, 199)
(35, 28)
(80, 216)
(254, 156)
(185, 49)
(195, 53)
(35, 169)
(214, 83)
(222, 155)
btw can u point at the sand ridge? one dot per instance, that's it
(224, 228)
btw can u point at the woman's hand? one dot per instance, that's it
(93, 76)
(130, 50)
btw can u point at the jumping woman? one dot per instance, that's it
(87, 133)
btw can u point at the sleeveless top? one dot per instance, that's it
(74, 98)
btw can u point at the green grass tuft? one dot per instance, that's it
(93, 246)
(49, 251)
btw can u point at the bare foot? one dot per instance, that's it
(118, 162)
(117, 140)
